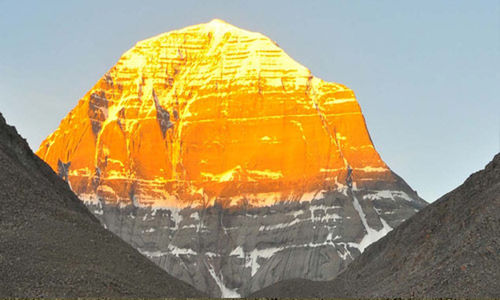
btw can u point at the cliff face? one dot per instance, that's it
(212, 112)
(52, 246)
(209, 146)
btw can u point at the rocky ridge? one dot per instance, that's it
(52, 246)
(450, 249)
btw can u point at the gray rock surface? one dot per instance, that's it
(52, 246)
(237, 251)
(450, 249)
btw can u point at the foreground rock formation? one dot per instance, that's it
(450, 249)
(52, 246)
(227, 163)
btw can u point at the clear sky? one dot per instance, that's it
(426, 73)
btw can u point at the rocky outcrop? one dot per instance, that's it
(227, 163)
(448, 250)
(52, 246)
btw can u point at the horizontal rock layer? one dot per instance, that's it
(237, 251)
(227, 163)
(212, 113)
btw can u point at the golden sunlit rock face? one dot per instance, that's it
(212, 113)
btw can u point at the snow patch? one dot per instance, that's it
(211, 254)
(195, 216)
(387, 194)
(265, 174)
(89, 199)
(279, 226)
(372, 169)
(345, 251)
(372, 235)
(172, 250)
(326, 216)
(252, 256)
(176, 217)
(297, 213)
(310, 196)
(225, 291)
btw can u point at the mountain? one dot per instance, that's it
(52, 246)
(228, 163)
(450, 249)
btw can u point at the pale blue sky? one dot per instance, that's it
(426, 73)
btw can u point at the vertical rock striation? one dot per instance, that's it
(227, 163)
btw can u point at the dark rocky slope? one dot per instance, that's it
(449, 249)
(52, 246)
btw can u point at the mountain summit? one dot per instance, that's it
(212, 112)
(223, 160)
